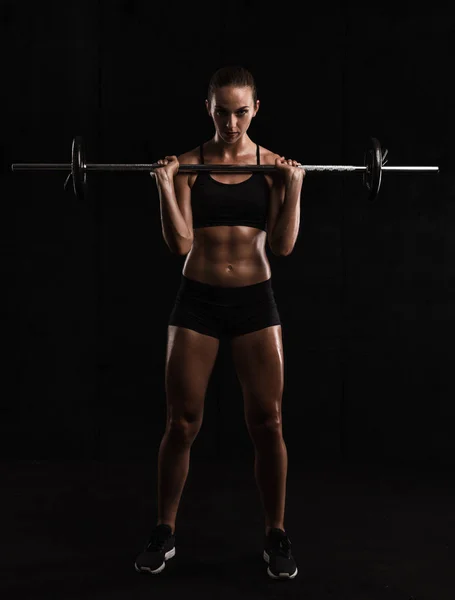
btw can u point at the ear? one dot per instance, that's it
(207, 106)
(257, 107)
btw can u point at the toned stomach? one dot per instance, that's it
(228, 256)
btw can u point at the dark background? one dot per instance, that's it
(366, 297)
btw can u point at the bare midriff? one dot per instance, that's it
(228, 256)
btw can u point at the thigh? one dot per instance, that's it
(190, 358)
(259, 363)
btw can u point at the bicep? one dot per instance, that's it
(183, 196)
(275, 203)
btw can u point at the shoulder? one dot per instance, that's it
(191, 157)
(267, 156)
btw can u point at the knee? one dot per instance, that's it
(266, 427)
(184, 431)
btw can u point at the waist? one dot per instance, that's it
(227, 271)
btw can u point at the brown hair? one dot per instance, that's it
(232, 75)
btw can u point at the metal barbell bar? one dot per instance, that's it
(374, 165)
(191, 168)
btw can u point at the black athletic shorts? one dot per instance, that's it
(224, 312)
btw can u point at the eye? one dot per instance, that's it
(240, 113)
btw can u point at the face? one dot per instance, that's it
(232, 109)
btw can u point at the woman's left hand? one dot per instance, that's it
(289, 168)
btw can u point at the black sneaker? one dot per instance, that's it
(160, 547)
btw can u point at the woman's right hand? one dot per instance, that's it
(169, 168)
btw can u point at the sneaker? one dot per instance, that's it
(160, 547)
(277, 553)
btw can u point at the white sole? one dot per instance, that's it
(281, 575)
(167, 556)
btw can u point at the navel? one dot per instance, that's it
(229, 268)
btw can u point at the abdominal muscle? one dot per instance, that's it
(228, 256)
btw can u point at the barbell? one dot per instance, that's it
(372, 169)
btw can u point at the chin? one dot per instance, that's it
(231, 140)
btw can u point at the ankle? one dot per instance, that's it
(170, 525)
(268, 528)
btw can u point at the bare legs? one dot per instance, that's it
(270, 469)
(190, 358)
(259, 361)
(173, 466)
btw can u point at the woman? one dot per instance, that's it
(221, 223)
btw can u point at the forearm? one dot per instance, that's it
(175, 230)
(287, 225)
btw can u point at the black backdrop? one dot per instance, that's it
(366, 297)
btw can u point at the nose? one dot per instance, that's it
(231, 123)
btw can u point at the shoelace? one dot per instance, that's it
(283, 548)
(155, 543)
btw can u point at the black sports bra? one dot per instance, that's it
(216, 203)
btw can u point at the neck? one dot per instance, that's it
(219, 147)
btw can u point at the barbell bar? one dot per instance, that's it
(374, 165)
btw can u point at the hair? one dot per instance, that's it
(232, 75)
